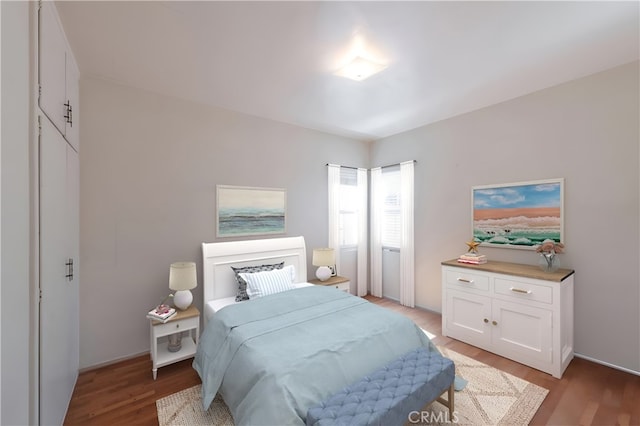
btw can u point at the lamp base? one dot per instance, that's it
(175, 342)
(182, 299)
(323, 273)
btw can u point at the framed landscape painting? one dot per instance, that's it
(518, 215)
(245, 211)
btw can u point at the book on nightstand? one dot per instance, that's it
(161, 313)
(473, 258)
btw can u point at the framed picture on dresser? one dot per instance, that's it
(242, 211)
(518, 215)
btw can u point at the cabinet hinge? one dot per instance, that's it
(69, 113)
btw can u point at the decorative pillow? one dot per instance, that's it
(242, 284)
(261, 284)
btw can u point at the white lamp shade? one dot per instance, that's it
(182, 276)
(323, 257)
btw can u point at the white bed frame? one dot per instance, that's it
(217, 259)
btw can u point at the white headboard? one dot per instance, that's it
(217, 259)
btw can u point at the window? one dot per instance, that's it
(349, 199)
(392, 218)
(391, 224)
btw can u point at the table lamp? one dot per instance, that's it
(323, 258)
(182, 278)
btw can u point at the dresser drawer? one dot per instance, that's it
(523, 290)
(336, 282)
(344, 286)
(461, 279)
(175, 326)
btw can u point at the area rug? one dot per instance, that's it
(491, 397)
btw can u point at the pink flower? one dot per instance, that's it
(162, 309)
(550, 246)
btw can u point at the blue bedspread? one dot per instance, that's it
(274, 357)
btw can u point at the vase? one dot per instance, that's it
(175, 342)
(549, 262)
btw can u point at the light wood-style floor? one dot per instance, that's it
(588, 393)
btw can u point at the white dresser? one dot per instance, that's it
(516, 311)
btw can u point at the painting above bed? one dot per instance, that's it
(518, 215)
(245, 211)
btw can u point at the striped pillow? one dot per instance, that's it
(263, 283)
(242, 284)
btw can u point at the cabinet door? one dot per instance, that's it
(523, 333)
(59, 304)
(52, 66)
(72, 129)
(468, 317)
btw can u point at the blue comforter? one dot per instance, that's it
(274, 357)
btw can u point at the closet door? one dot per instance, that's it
(59, 303)
(52, 66)
(72, 128)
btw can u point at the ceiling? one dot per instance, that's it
(276, 59)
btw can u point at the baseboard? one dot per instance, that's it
(113, 361)
(615, 367)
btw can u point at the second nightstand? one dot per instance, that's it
(187, 320)
(341, 283)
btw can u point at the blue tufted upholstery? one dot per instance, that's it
(388, 395)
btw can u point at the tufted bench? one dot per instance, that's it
(388, 395)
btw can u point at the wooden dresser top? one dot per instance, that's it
(518, 269)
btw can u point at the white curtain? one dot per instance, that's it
(407, 271)
(376, 232)
(361, 289)
(334, 211)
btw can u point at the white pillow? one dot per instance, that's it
(269, 282)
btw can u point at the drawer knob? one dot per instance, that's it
(464, 280)
(177, 325)
(494, 322)
(486, 321)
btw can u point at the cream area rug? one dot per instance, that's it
(491, 397)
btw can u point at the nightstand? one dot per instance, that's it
(183, 321)
(341, 283)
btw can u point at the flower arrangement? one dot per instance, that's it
(548, 250)
(550, 246)
(163, 307)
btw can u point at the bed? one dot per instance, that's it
(273, 357)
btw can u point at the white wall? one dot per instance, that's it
(586, 131)
(15, 210)
(149, 166)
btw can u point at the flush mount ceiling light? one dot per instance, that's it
(360, 68)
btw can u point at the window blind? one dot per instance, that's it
(391, 224)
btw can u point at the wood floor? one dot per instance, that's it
(588, 393)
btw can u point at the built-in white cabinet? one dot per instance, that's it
(59, 273)
(59, 220)
(516, 311)
(57, 75)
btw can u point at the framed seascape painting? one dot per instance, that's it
(518, 215)
(245, 211)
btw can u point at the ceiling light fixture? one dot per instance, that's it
(360, 68)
